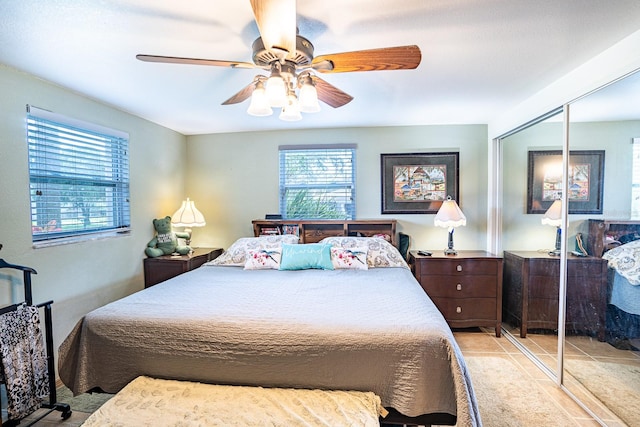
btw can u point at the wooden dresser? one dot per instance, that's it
(531, 292)
(466, 288)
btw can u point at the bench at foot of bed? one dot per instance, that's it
(157, 402)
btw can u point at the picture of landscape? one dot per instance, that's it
(419, 183)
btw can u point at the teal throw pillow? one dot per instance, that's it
(306, 256)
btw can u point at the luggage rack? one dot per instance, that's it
(52, 404)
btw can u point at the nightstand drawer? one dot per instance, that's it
(460, 286)
(466, 309)
(462, 266)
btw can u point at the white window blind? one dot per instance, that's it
(79, 178)
(635, 179)
(317, 182)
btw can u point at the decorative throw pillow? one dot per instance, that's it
(303, 257)
(263, 259)
(380, 252)
(236, 255)
(345, 258)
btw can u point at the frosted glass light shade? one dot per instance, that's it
(309, 99)
(188, 216)
(276, 91)
(259, 103)
(291, 111)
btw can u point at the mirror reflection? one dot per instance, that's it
(530, 230)
(606, 361)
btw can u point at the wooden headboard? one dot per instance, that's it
(605, 234)
(311, 231)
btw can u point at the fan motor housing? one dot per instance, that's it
(302, 56)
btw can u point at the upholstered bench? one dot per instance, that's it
(155, 402)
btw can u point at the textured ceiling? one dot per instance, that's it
(479, 57)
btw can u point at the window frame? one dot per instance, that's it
(81, 159)
(342, 150)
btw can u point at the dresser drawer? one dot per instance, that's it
(466, 309)
(460, 286)
(462, 266)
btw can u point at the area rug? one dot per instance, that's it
(508, 398)
(617, 385)
(86, 402)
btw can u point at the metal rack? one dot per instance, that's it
(52, 404)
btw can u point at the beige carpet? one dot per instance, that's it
(508, 398)
(617, 385)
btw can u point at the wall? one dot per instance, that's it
(234, 178)
(80, 277)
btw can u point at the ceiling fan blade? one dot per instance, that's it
(276, 21)
(242, 95)
(389, 58)
(194, 61)
(330, 94)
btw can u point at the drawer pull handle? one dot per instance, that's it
(458, 310)
(458, 287)
(459, 267)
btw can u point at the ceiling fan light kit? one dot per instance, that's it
(288, 57)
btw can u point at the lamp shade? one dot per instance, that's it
(259, 103)
(553, 215)
(188, 216)
(449, 215)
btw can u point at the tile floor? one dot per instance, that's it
(472, 343)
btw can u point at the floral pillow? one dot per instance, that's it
(380, 253)
(236, 255)
(349, 258)
(624, 259)
(263, 259)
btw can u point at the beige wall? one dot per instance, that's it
(234, 178)
(81, 276)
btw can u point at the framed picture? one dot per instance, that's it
(417, 183)
(586, 178)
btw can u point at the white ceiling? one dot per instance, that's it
(479, 57)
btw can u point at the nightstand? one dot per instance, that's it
(466, 288)
(161, 268)
(532, 289)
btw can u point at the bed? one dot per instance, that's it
(365, 325)
(619, 243)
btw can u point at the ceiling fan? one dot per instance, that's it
(289, 59)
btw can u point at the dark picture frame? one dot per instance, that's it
(586, 181)
(418, 183)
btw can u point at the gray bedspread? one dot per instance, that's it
(372, 330)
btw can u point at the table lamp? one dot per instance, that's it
(450, 216)
(188, 216)
(553, 216)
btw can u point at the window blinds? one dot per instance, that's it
(317, 182)
(79, 177)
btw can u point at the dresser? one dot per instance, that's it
(466, 288)
(165, 267)
(532, 289)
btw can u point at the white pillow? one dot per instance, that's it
(353, 258)
(263, 259)
(236, 255)
(380, 252)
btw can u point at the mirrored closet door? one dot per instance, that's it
(602, 356)
(596, 356)
(531, 182)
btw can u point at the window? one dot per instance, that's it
(635, 180)
(78, 178)
(317, 182)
